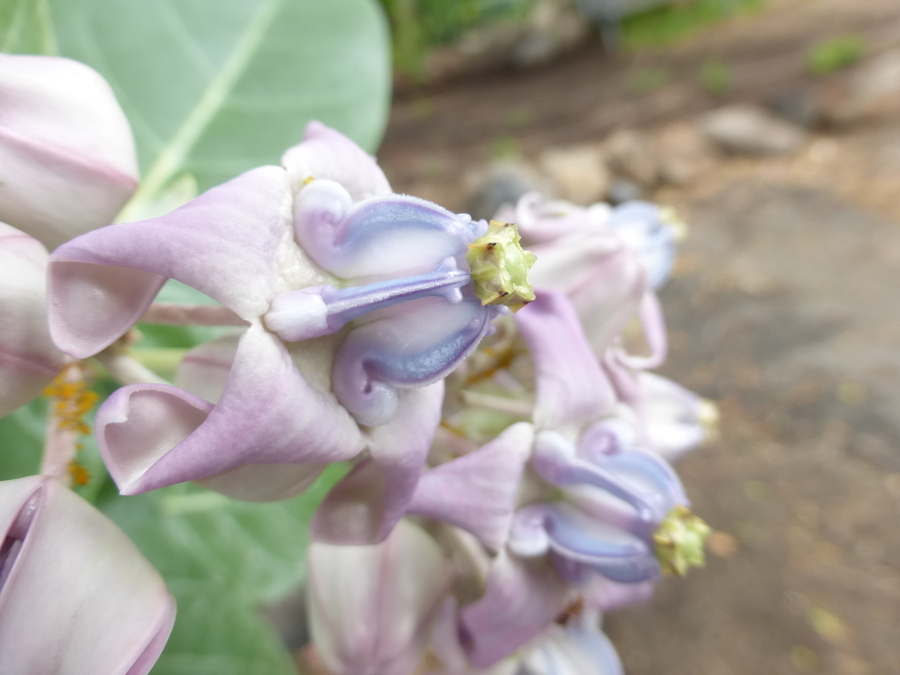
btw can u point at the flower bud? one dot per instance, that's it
(68, 154)
(28, 358)
(76, 596)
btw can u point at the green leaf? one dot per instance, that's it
(26, 26)
(216, 87)
(223, 560)
(22, 440)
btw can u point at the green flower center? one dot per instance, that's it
(500, 267)
(679, 541)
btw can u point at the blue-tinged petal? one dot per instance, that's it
(368, 502)
(224, 243)
(580, 649)
(571, 388)
(387, 236)
(522, 598)
(574, 536)
(408, 345)
(641, 479)
(477, 492)
(156, 435)
(644, 228)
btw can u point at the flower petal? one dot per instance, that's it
(571, 388)
(79, 598)
(156, 435)
(643, 227)
(28, 359)
(408, 345)
(388, 236)
(69, 161)
(605, 595)
(674, 419)
(325, 153)
(522, 598)
(541, 220)
(371, 608)
(204, 369)
(223, 243)
(478, 491)
(369, 501)
(581, 649)
(600, 275)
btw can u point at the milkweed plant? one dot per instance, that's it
(235, 365)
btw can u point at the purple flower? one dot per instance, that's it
(356, 299)
(28, 358)
(372, 608)
(76, 596)
(68, 154)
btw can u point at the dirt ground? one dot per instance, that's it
(783, 309)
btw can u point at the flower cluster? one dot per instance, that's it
(485, 523)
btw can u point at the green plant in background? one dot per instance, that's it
(673, 21)
(418, 25)
(831, 55)
(648, 80)
(716, 76)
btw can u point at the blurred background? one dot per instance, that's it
(773, 127)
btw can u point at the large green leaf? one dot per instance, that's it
(216, 87)
(223, 560)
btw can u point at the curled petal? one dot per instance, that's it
(604, 595)
(156, 435)
(542, 220)
(371, 608)
(69, 161)
(654, 327)
(327, 154)
(600, 275)
(408, 345)
(641, 479)
(264, 482)
(28, 359)
(575, 537)
(204, 369)
(387, 236)
(571, 387)
(76, 596)
(522, 598)
(478, 491)
(223, 243)
(674, 419)
(369, 501)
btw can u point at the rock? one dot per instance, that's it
(622, 190)
(498, 184)
(745, 129)
(552, 27)
(684, 153)
(799, 105)
(873, 91)
(579, 173)
(631, 155)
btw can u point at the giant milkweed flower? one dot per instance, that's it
(355, 300)
(28, 358)
(69, 162)
(76, 596)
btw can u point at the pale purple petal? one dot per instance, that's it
(605, 595)
(674, 419)
(78, 597)
(642, 480)
(28, 359)
(541, 220)
(69, 161)
(369, 501)
(264, 482)
(408, 345)
(327, 154)
(478, 491)
(157, 435)
(643, 227)
(445, 642)
(654, 327)
(371, 608)
(600, 275)
(575, 537)
(522, 598)
(204, 369)
(223, 243)
(387, 236)
(581, 649)
(571, 388)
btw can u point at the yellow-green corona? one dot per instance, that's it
(500, 267)
(679, 541)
